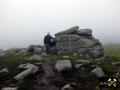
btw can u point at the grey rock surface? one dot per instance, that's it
(2, 54)
(9, 88)
(4, 70)
(35, 49)
(98, 71)
(27, 66)
(66, 57)
(22, 52)
(30, 69)
(116, 63)
(1, 50)
(69, 86)
(62, 65)
(84, 32)
(36, 57)
(118, 74)
(82, 61)
(44, 54)
(77, 66)
(13, 50)
(68, 31)
(75, 40)
(23, 74)
(71, 37)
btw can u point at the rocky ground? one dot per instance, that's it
(22, 70)
(76, 62)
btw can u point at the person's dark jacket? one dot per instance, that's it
(53, 43)
(47, 39)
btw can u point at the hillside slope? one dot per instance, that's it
(112, 50)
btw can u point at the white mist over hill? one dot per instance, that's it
(25, 22)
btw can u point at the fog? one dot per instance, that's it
(25, 22)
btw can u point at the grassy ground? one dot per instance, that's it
(112, 50)
(112, 54)
(12, 60)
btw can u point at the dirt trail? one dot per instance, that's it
(43, 83)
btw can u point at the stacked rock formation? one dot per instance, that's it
(75, 40)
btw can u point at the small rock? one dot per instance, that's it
(94, 66)
(77, 66)
(71, 86)
(25, 73)
(2, 54)
(44, 54)
(27, 66)
(38, 63)
(31, 49)
(30, 69)
(4, 70)
(1, 50)
(116, 63)
(66, 57)
(13, 50)
(98, 71)
(9, 88)
(36, 57)
(82, 61)
(118, 74)
(75, 54)
(37, 50)
(63, 65)
(23, 52)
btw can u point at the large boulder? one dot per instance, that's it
(75, 40)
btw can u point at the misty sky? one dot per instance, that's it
(25, 22)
